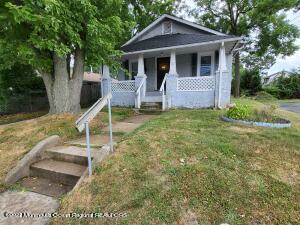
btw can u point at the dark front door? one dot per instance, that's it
(163, 66)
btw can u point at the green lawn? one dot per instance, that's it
(188, 165)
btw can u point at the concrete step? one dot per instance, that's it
(152, 99)
(150, 111)
(62, 172)
(70, 154)
(45, 186)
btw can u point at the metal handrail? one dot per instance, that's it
(83, 123)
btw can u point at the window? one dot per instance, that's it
(167, 27)
(133, 69)
(206, 65)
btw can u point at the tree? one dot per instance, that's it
(262, 22)
(251, 81)
(144, 12)
(46, 34)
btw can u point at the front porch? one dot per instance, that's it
(197, 77)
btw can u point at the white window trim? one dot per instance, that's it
(163, 27)
(212, 55)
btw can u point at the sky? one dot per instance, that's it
(282, 63)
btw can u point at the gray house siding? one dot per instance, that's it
(176, 28)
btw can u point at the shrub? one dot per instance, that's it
(250, 82)
(239, 112)
(264, 96)
(267, 114)
(272, 90)
(285, 87)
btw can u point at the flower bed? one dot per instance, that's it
(263, 118)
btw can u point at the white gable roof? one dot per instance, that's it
(165, 16)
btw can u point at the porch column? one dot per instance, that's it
(173, 70)
(219, 75)
(141, 75)
(141, 66)
(106, 81)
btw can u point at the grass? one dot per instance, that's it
(188, 165)
(6, 119)
(18, 138)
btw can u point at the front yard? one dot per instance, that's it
(18, 138)
(188, 165)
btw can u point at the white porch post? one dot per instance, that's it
(141, 67)
(106, 81)
(222, 68)
(140, 77)
(173, 70)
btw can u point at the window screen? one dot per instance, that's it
(205, 66)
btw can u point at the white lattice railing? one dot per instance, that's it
(196, 83)
(123, 86)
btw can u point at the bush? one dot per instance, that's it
(250, 82)
(239, 112)
(264, 96)
(266, 114)
(272, 90)
(285, 87)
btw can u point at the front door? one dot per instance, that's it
(163, 66)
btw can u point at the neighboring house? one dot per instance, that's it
(91, 89)
(176, 62)
(269, 79)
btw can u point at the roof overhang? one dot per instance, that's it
(161, 18)
(237, 39)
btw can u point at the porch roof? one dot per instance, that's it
(174, 40)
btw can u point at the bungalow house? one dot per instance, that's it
(177, 63)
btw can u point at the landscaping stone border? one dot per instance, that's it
(258, 124)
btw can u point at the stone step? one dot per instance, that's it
(45, 186)
(151, 105)
(62, 172)
(70, 154)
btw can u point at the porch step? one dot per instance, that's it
(63, 172)
(152, 98)
(71, 154)
(151, 108)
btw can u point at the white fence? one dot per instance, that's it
(123, 86)
(196, 83)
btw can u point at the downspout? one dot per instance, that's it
(220, 77)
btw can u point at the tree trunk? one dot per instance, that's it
(237, 75)
(64, 89)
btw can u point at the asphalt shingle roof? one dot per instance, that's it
(170, 40)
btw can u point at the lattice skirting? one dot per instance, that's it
(196, 84)
(123, 86)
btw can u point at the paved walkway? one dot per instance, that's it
(293, 107)
(125, 126)
(15, 202)
(25, 202)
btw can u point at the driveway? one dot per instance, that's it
(293, 107)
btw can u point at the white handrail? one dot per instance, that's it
(83, 123)
(138, 93)
(162, 89)
(162, 86)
